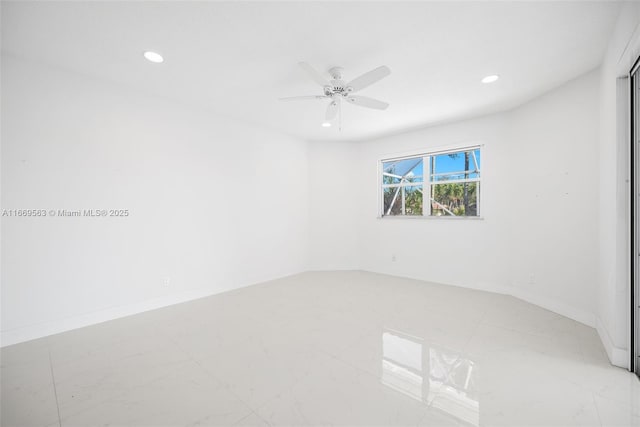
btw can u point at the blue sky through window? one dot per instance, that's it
(447, 163)
(444, 163)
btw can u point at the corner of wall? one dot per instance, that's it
(617, 356)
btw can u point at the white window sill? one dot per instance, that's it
(437, 218)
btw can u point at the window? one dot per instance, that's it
(450, 179)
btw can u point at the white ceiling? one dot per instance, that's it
(238, 58)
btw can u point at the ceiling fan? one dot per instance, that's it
(336, 89)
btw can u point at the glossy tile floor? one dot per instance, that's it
(340, 348)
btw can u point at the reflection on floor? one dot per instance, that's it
(440, 378)
(334, 348)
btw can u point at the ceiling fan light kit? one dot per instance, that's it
(336, 89)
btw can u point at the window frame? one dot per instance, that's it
(426, 180)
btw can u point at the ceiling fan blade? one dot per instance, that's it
(369, 78)
(302, 98)
(365, 101)
(314, 74)
(332, 110)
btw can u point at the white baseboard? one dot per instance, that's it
(477, 286)
(617, 356)
(563, 309)
(566, 310)
(39, 330)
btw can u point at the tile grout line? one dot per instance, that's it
(55, 391)
(257, 415)
(218, 380)
(465, 347)
(595, 404)
(227, 389)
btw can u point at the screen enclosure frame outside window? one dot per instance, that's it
(451, 177)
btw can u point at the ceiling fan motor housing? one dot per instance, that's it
(337, 84)
(337, 88)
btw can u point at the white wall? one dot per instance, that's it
(208, 197)
(552, 198)
(538, 236)
(332, 190)
(612, 296)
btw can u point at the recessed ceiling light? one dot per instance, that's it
(326, 125)
(153, 57)
(490, 79)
